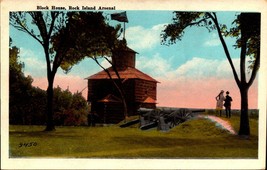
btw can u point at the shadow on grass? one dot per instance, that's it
(40, 134)
(166, 142)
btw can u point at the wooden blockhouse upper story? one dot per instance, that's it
(139, 88)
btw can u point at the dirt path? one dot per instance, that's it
(220, 123)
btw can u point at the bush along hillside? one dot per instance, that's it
(70, 109)
(30, 107)
(27, 104)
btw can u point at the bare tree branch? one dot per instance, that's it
(214, 19)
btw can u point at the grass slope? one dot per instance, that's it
(196, 138)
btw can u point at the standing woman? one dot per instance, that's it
(219, 105)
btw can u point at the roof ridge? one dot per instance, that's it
(129, 72)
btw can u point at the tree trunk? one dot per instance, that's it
(120, 89)
(118, 86)
(244, 128)
(122, 94)
(50, 94)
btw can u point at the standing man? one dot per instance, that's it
(227, 104)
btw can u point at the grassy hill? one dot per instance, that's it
(196, 138)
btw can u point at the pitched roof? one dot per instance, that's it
(149, 100)
(128, 49)
(110, 98)
(128, 73)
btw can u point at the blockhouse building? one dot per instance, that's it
(139, 88)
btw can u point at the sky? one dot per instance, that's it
(191, 72)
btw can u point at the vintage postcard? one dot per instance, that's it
(133, 85)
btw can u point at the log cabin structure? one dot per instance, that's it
(139, 88)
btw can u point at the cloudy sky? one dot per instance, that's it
(191, 72)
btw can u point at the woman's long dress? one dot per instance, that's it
(219, 104)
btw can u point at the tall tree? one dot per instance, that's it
(42, 26)
(97, 40)
(25, 106)
(246, 30)
(62, 36)
(19, 86)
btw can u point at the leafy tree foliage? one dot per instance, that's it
(70, 109)
(246, 30)
(41, 26)
(59, 33)
(27, 104)
(96, 39)
(88, 36)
